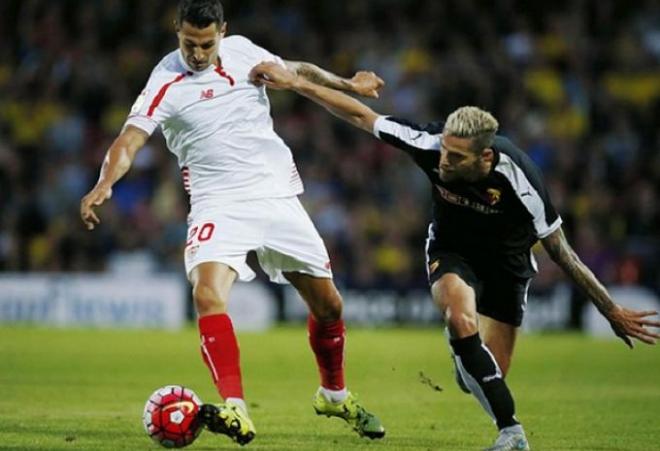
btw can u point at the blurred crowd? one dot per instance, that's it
(574, 83)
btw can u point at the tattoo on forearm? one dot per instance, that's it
(562, 254)
(321, 77)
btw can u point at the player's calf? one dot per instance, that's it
(483, 377)
(457, 374)
(458, 377)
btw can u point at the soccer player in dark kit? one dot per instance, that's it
(490, 206)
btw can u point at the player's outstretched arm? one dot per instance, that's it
(338, 103)
(626, 323)
(117, 161)
(362, 83)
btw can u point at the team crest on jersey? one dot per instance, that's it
(494, 195)
(139, 102)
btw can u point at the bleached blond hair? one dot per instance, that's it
(474, 123)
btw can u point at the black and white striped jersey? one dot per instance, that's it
(498, 218)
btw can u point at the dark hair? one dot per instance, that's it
(200, 13)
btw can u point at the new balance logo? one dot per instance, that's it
(208, 94)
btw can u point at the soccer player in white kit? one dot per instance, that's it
(243, 186)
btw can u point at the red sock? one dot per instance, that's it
(221, 354)
(327, 342)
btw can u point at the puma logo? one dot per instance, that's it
(490, 378)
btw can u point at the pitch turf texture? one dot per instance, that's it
(85, 390)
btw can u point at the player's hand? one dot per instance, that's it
(366, 84)
(272, 75)
(628, 324)
(93, 199)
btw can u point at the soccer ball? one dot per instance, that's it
(170, 416)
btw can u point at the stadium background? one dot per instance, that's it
(576, 84)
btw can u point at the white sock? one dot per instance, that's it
(334, 396)
(237, 402)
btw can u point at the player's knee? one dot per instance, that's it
(448, 290)
(330, 308)
(326, 305)
(455, 298)
(207, 300)
(322, 298)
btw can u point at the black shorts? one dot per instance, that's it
(500, 295)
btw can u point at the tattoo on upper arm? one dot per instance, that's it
(563, 254)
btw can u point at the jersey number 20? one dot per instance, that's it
(203, 233)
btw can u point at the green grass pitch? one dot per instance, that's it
(85, 390)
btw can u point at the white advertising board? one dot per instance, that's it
(94, 300)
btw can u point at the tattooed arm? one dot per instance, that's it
(363, 83)
(625, 323)
(341, 105)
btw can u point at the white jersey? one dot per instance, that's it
(218, 125)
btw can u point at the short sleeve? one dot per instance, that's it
(527, 183)
(151, 107)
(408, 135)
(268, 56)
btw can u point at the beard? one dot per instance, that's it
(470, 174)
(448, 176)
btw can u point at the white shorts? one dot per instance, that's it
(279, 230)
